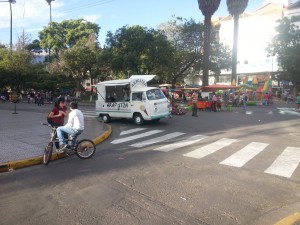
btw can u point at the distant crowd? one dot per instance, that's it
(37, 97)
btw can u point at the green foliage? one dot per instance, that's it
(186, 38)
(136, 50)
(286, 46)
(15, 67)
(236, 7)
(208, 7)
(63, 35)
(34, 45)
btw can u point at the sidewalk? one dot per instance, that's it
(22, 136)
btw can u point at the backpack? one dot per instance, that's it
(245, 98)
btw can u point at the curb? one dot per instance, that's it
(289, 220)
(10, 166)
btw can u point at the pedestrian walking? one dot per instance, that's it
(194, 101)
(214, 102)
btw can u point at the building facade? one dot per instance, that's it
(256, 30)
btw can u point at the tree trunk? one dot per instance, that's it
(207, 24)
(235, 45)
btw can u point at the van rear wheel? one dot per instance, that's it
(138, 119)
(106, 118)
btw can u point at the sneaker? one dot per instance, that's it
(62, 148)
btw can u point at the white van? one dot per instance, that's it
(131, 98)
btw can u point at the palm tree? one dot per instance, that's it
(208, 8)
(235, 8)
(49, 2)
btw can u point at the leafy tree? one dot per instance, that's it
(185, 38)
(286, 46)
(135, 50)
(220, 54)
(78, 61)
(15, 67)
(35, 45)
(66, 34)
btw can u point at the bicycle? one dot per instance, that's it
(84, 148)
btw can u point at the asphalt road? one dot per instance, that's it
(228, 176)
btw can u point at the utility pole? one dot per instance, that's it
(10, 2)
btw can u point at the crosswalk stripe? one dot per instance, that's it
(211, 148)
(241, 157)
(149, 133)
(286, 163)
(89, 114)
(180, 144)
(288, 111)
(158, 139)
(132, 131)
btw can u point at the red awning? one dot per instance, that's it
(217, 87)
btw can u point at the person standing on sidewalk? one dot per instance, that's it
(214, 102)
(245, 99)
(298, 102)
(194, 101)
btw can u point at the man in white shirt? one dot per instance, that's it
(74, 126)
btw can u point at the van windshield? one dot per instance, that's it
(155, 94)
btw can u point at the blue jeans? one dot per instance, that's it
(245, 105)
(66, 130)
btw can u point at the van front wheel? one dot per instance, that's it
(138, 119)
(106, 118)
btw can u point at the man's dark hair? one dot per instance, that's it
(73, 105)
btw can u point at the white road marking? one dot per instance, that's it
(90, 114)
(288, 111)
(149, 133)
(286, 163)
(180, 144)
(158, 139)
(211, 148)
(132, 131)
(241, 157)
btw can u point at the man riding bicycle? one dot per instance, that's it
(74, 126)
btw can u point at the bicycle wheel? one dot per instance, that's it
(47, 153)
(85, 149)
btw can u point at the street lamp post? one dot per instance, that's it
(10, 2)
(49, 2)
